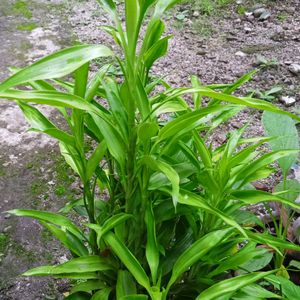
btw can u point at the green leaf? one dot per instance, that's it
(109, 224)
(72, 242)
(78, 296)
(245, 78)
(243, 256)
(95, 159)
(125, 284)
(284, 130)
(57, 65)
(40, 123)
(256, 196)
(245, 101)
(102, 294)
(72, 158)
(290, 290)
(271, 241)
(132, 19)
(84, 264)
(135, 297)
(258, 291)
(52, 98)
(231, 285)
(246, 173)
(187, 122)
(159, 49)
(109, 6)
(197, 99)
(191, 199)
(152, 251)
(195, 252)
(128, 259)
(292, 186)
(53, 218)
(168, 171)
(88, 286)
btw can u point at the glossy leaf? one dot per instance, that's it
(102, 294)
(84, 264)
(125, 284)
(57, 65)
(40, 123)
(128, 259)
(195, 252)
(53, 218)
(231, 285)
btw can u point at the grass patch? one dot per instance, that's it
(4, 240)
(22, 8)
(27, 26)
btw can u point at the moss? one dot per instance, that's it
(2, 172)
(60, 191)
(251, 49)
(4, 240)
(27, 26)
(22, 8)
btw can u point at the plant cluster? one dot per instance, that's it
(170, 219)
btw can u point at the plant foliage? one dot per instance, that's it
(173, 225)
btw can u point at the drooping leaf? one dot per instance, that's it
(57, 65)
(84, 264)
(53, 218)
(40, 123)
(231, 285)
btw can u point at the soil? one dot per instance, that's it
(217, 48)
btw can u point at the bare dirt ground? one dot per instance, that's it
(219, 48)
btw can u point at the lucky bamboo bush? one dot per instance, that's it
(165, 211)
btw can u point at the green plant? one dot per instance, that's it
(269, 95)
(265, 63)
(284, 136)
(170, 221)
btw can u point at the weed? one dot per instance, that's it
(4, 241)
(21, 8)
(27, 26)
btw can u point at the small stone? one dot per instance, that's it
(7, 228)
(290, 10)
(287, 101)
(7, 216)
(196, 14)
(288, 62)
(259, 11)
(241, 54)
(295, 69)
(247, 29)
(201, 52)
(265, 15)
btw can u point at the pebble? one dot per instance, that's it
(295, 69)
(265, 15)
(241, 54)
(259, 11)
(196, 14)
(247, 29)
(6, 229)
(287, 101)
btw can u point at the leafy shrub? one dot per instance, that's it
(174, 224)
